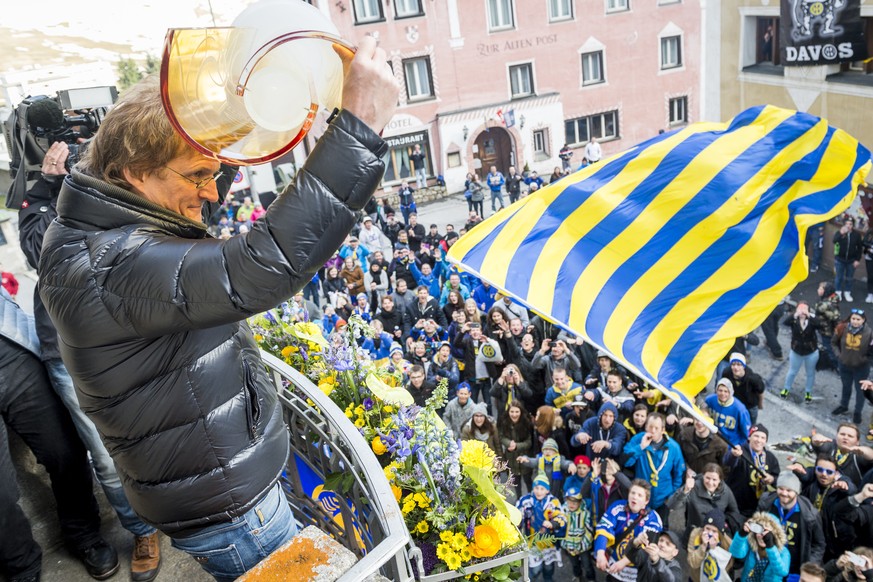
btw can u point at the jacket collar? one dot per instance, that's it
(92, 201)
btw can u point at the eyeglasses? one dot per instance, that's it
(825, 471)
(857, 311)
(199, 184)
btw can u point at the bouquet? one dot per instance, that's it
(452, 501)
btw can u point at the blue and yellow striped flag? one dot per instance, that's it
(666, 253)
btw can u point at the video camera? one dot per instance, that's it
(39, 121)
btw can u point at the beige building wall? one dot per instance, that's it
(742, 82)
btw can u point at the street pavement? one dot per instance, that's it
(785, 419)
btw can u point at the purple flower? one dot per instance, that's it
(368, 404)
(471, 527)
(268, 315)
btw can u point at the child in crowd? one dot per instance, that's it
(582, 476)
(709, 558)
(579, 533)
(542, 515)
(550, 464)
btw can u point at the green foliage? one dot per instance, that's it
(130, 72)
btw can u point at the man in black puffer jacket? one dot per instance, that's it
(151, 311)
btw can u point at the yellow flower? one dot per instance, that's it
(349, 413)
(486, 542)
(459, 541)
(387, 423)
(387, 409)
(398, 493)
(443, 550)
(422, 500)
(422, 527)
(359, 423)
(465, 554)
(288, 350)
(327, 389)
(477, 454)
(378, 446)
(453, 561)
(259, 337)
(506, 532)
(359, 410)
(446, 536)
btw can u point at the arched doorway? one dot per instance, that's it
(494, 148)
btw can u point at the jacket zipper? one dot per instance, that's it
(253, 408)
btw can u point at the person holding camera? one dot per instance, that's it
(556, 354)
(709, 556)
(37, 212)
(508, 387)
(761, 543)
(851, 566)
(804, 349)
(798, 518)
(152, 313)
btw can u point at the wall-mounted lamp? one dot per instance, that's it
(466, 132)
(521, 121)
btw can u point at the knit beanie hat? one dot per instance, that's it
(788, 480)
(759, 427)
(550, 444)
(716, 518)
(541, 480)
(738, 357)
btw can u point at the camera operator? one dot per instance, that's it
(37, 212)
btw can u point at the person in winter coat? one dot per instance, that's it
(632, 517)
(752, 470)
(804, 349)
(847, 257)
(826, 487)
(798, 518)
(551, 464)
(761, 544)
(151, 312)
(541, 514)
(459, 410)
(708, 551)
(444, 366)
(656, 459)
(656, 561)
(699, 445)
(509, 386)
(606, 485)
(482, 428)
(515, 430)
(702, 494)
(852, 342)
(852, 566)
(579, 534)
(827, 310)
(748, 386)
(602, 436)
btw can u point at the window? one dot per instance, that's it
(454, 159)
(418, 84)
(397, 164)
(368, 11)
(582, 129)
(541, 144)
(671, 52)
(617, 5)
(560, 10)
(407, 8)
(500, 14)
(521, 80)
(679, 111)
(592, 68)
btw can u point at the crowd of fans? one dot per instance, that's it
(603, 462)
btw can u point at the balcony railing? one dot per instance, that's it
(366, 519)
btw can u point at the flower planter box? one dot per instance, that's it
(522, 556)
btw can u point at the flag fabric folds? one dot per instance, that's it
(667, 252)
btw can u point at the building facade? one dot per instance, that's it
(509, 82)
(749, 69)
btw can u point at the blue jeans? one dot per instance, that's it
(102, 463)
(808, 362)
(852, 377)
(228, 550)
(497, 195)
(844, 273)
